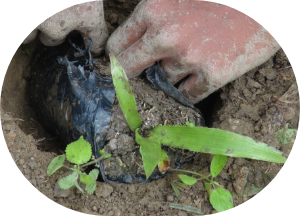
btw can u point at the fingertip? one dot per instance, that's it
(48, 41)
(31, 36)
(129, 32)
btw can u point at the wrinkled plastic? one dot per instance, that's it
(71, 99)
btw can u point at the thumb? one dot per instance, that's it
(133, 44)
(129, 32)
(139, 56)
(86, 18)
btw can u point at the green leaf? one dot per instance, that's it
(150, 150)
(101, 152)
(216, 183)
(208, 187)
(55, 164)
(67, 182)
(187, 208)
(124, 94)
(221, 199)
(181, 184)
(187, 179)
(286, 136)
(164, 162)
(190, 124)
(107, 156)
(215, 141)
(217, 164)
(176, 190)
(79, 152)
(94, 174)
(90, 188)
(84, 178)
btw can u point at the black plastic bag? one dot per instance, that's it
(73, 100)
(70, 97)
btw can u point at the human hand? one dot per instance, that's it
(206, 43)
(86, 18)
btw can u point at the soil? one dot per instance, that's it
(157, 109)
(257, 104)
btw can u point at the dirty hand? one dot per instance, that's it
(86, 18)
(204, 44)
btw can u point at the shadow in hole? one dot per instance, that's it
(45, 140)
(209, 106)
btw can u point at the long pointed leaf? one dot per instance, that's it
(215, 141)
(124, 94)
(150, 151)
(217, 164)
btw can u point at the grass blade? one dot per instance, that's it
(187, 208)
(150, 151)
(124, 94)
(215, 141)
(176, 190)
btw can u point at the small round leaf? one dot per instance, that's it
(187, 179)
(217, 164)
(79, 152)
(55, 164)
(221, 199)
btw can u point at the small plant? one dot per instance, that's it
(220, 198)
(198, 139)
(190, 124)
(286, 136)
(79, 153)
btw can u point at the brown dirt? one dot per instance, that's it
(256, 105)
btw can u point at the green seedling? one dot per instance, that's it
(190, 124)
(79, 153)
(198, 139)
(286, 136)
(102, 152)
(124, 94)
(220, 198)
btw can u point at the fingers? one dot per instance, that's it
(196, 87)
(31, 36)
(141, 55)
(87, 18)
(194, 84)
(129, 32)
